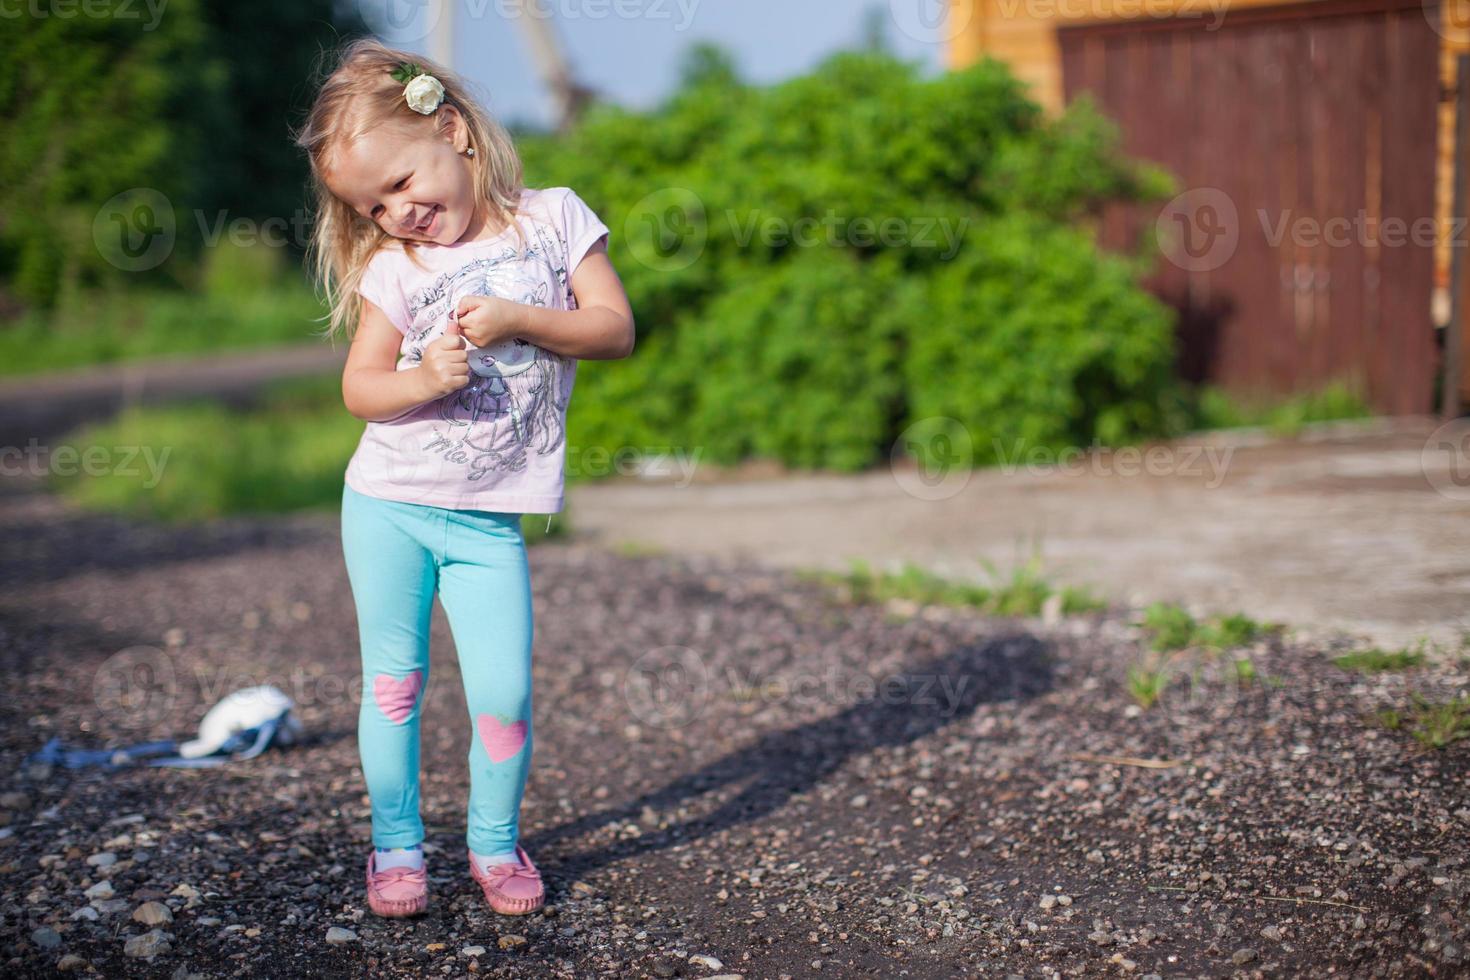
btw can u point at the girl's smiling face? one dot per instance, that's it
(413, 182)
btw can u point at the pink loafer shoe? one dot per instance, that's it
(396, 892)
(512, 889)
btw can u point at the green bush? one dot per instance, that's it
(991, 305)
(1030, 338)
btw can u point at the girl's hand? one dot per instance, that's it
(489, 320)
(446, 362)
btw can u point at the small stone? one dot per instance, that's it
(1101, 938)
(1272, 933)
(153, 914)
(706, 961)
(472, 951)
(1048, 902)
(859, 801)
(14, 801)
(665, 967)
(152, 943)
(1064, 900)
(85, 913)
(582, 889)
(70, 962)
(512, 941)
(338, 936)
(103, 889)
(46, 937)
(104, 859)
(1242, 956)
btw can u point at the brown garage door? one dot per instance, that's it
(1304, 138)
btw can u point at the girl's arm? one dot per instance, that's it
(601, 328)
(371, 387)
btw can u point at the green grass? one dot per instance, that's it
(1374, 660)
(1173, 628)
(1147, 682)
(1024, 592)
(1433, 724)
(287, 454)
(246, 298)
(1214, 408)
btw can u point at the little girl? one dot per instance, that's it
(473, 299)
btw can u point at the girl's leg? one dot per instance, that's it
(390, 563)
(485, 586)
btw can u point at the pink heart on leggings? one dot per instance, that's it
(396, 695)
(501, 741)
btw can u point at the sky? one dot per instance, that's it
(631, 50)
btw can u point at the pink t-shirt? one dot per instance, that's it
(499, 443)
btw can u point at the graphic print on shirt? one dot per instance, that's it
(516, 394)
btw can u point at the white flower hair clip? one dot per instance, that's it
(422, 91)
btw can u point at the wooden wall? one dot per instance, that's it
(1023, 34)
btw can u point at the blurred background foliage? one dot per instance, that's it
(820, 355)
(991, 305)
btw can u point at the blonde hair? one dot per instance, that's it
(360, 95)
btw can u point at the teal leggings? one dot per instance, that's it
(397, 555)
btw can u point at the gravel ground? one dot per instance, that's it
(813, 788)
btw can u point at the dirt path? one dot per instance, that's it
(812, 789)
(40, 407)
(1354, 527)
